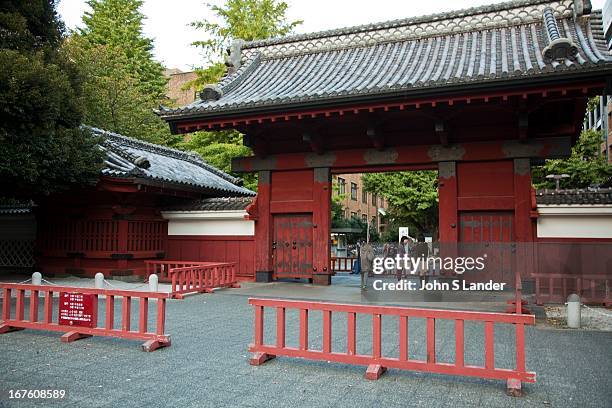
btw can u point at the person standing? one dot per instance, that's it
(402, 251)
(367, 263)
(356, 267)
(421, 253)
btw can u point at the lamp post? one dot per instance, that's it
(557, 178)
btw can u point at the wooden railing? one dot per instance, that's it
(203, 278)
(377, 362)
(556, 287)
(162, 268)
(342, 263)
(20, 320)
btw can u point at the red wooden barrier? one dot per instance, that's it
(203, 278)
(556, 287)
(342, 263)
(74, 332)
(378, 363)
(162, 268)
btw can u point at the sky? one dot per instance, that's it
(167, 21)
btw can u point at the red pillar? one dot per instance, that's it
(321, 216)
(447, 208)
(522, 221)
(522, 200)
(263, 230)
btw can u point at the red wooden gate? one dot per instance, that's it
(292, 246)
(490, 233)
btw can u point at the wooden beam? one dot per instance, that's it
(376, 136)
(257, 143)
(552, 147)
(441, 130)
(315, 141)
(523, 124)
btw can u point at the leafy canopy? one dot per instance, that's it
(43, 147)
(247, 20)
(235, 19)
(218, 149)
(123, 81)
(585, 166)
(412, 197)
(117, 24)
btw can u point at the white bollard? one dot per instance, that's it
(153, 283)
(36, 278)
(99, 284)
(573, 311)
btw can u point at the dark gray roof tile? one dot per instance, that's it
(597, 196)
(496, 43)
(132, 158)
(213, 204)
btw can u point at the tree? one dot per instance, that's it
(412, 197)
(237, 19)
(218, 149)
(123, 82)
(247, 20)
(117, 24)
(585, 166)
(115, 99)
(43, 147)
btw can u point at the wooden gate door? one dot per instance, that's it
(490, 233)
(292, 246)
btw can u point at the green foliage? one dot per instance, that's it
(117, 24)
(218, 149)
(43, 147)
(115, 99)
(240, 19)
(123, 82)
(585, 166)
(247, 20)
(337, 209)
(412, 197)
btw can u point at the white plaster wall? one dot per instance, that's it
(574, 221)
(209, 223)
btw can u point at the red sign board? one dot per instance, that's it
(77, 309)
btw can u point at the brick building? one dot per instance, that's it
(357, 202)
(177, 80)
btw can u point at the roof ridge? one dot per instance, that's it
(190, 157)
(592, 190)
(230, 82)
(393, 23)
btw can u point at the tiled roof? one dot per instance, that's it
(575, 196)
(213, 204)
(490, 45)
(17, 208)
(132, 158)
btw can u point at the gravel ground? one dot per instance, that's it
(591, 318)
(207, 365)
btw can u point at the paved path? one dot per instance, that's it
(207, 366)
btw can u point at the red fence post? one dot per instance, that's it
(90, 328)
(377, 362)
(259, 357)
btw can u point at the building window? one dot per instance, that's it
(346, 213)
(341, 185)
(353, 191)
(374, 199)
(374, 220)
(353, 215)
(364, 196)
(364, 218)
